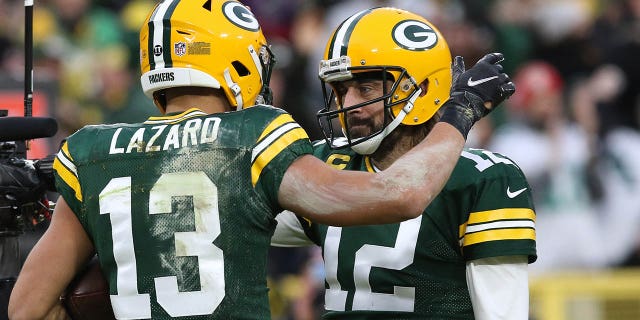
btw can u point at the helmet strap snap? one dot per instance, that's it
(234, 87)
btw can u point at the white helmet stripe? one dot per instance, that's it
(341, 37)
(157, 40)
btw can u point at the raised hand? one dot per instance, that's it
(476, 92)
(486, 79)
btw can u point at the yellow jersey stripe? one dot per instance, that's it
(193, 112)
(66, 157)
(271, 138)
(63, 165)
(275, 124)
(499, 234)
(501, 214)
(309, 222)
(483, 217)
(369, 165)
(283, 140)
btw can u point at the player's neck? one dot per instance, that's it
(397, 143)
(209, 101)
(207, 105)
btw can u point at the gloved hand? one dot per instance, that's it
(476, 92)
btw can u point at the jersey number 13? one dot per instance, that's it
(115, 200)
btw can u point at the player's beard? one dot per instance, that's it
(363, 126)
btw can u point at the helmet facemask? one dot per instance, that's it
(266, 61)
(393, 41)
(397, 102)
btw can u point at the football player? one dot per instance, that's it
(180, 209)
(466, 255)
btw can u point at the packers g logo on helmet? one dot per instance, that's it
(239, 15)
(414, 35)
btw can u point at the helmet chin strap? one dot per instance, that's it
(235, 88)
(371, 144)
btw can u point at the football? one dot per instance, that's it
(87, 296)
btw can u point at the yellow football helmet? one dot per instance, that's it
(401, 46)
(205, 43)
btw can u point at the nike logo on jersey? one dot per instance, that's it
(514, 193)
(472, 83)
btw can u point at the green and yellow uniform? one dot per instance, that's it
(181, 208)
(416, 269)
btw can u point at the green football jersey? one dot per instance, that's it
(181, 208)
(416, 269)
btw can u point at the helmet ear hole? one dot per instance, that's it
(425, 87)
(240, 68)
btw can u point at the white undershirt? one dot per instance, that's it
(499, 287)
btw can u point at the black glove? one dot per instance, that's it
(470, 89)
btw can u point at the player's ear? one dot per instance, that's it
(424, 86)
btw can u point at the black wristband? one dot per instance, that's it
(462, 111)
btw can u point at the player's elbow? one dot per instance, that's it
(408, 205)
(411, 201)
(413, 207)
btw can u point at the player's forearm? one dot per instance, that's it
(422, 172)
(325, 195)
(31, 301)
(399, 193)
(35, 293)
(56, 312)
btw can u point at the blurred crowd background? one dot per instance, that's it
(572, 126)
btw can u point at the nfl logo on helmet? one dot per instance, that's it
(180, 48)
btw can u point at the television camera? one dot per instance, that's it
(23, 187)
(24, 182)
